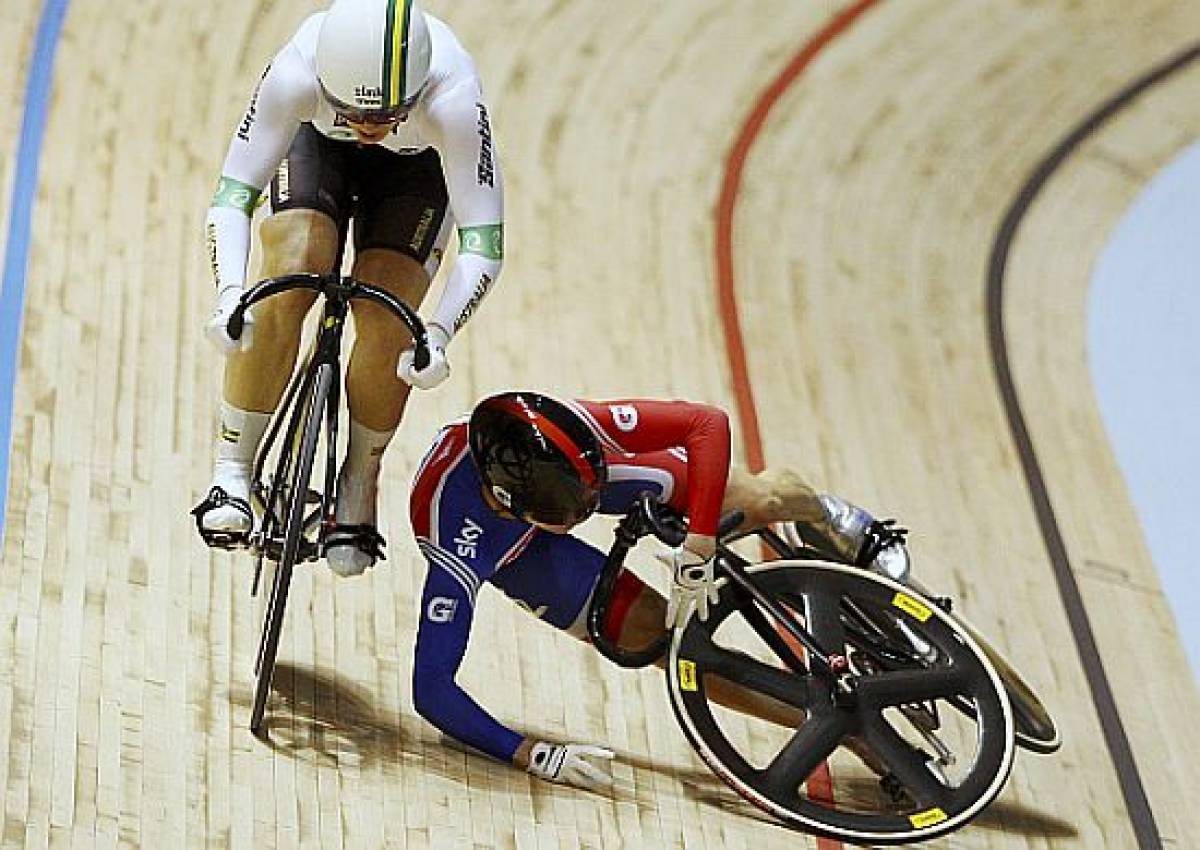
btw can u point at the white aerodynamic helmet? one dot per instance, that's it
(373, 57)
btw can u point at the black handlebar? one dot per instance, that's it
(647, 516)
(339, 289)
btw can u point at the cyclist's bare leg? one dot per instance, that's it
(828, 522)
(774, 495)
(292, 241)
(376, 397)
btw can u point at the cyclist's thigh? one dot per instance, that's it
(401, 213)
(553, 578)
(310, 203)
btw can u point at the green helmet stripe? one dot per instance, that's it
(395, 51)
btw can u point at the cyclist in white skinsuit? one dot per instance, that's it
(373, 111)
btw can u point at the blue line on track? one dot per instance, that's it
(16, 247)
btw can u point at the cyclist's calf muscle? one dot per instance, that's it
(774, 495)
(376, 396)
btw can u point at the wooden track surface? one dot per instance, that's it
(867, 214)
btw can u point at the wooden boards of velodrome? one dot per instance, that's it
(867, 213)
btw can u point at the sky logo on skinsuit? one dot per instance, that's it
(625, 416)
(467, 541)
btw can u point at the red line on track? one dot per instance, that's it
(820, 784)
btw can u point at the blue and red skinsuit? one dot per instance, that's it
(677, 450)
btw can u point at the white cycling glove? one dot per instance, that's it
(568, 764)
(691, 581)
(216, 328)
(438, 368)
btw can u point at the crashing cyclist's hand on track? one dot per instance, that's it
(691, 579)
(436, 370)
(570, 764)
(217, 326)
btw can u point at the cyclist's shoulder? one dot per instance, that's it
(448, 449)
(619, 415)
(298, 55)
(451, 66)
(445, 43)
(291, 77)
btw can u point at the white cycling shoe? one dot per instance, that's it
(224, 518)
(851, 535)
(355, 544)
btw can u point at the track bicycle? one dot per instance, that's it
(905, 730)
(292, 520)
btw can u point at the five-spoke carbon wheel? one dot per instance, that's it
(918, 706)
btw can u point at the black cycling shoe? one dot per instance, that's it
(880, 534)
(219, 538)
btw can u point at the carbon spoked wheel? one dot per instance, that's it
(1036, 729)
(301, 445)
(817, 765)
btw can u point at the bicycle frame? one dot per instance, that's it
(650, 517)
(326, 349)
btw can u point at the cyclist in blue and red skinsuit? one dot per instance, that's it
(493, 501)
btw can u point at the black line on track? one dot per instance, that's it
(1136, 802)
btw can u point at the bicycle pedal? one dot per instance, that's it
(230, 541)
(273, 550)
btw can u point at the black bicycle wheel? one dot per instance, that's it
(1036, 729)
(906, 658)
(302, 448)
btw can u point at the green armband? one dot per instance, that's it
(486, 240)
(236, 194)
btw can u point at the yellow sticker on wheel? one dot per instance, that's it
(911, 607)
(926, 819)
(687, 675)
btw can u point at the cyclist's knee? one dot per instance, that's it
(278, 319)
(296, 241)
(396, 273)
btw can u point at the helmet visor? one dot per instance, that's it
(558, 504)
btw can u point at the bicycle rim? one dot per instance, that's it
(310, 413)
(1036, 730)
(785, 781)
